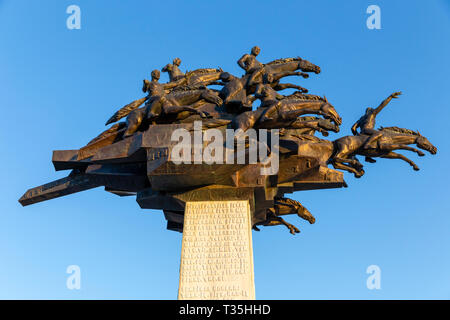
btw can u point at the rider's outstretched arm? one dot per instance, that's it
(354, 127)
(385, 102)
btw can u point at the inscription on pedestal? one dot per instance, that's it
(217, 253)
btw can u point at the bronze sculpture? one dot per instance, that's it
(134, 157)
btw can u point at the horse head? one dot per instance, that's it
(307, 66)
(330, 112)
(305, 214)
(328, 125)
(424, 144)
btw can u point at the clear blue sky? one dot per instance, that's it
(58, 86)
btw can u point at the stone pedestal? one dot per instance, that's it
(217, 253)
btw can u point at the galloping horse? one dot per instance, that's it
(284, 206)
(195, 78)
(177, 105)
(287, 66)
(284, 113)
(393, 138)
(291, 64)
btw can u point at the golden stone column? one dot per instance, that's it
(217, 253)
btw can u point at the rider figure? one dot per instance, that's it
(176, 71)
(156, 93)
(252, 67)
(153, 87)
(234, 94)
(367, 122)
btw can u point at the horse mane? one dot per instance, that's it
(187, 88)
(288, 201)
(202, 71)
(400, 130)
(282, 60)
(305, 96)
(307, 118)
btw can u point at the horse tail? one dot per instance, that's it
(283, 60)
(115, 128)
(124, 111)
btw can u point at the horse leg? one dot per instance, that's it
(391, 147)
(355, 163)
(351, 161)
(394, 155)
(178, 109)
(340, 165)
(342, 156)
(212, 97)
(255, 228)
(133, 122)
(294, 86)
(370, 159)
(278, 75)
(153, 110)
(312, 126)
(282, 86)
(298, 124)
(276, 221)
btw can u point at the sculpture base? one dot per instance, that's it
(217, 253)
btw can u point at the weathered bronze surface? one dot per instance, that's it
(132, 157)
